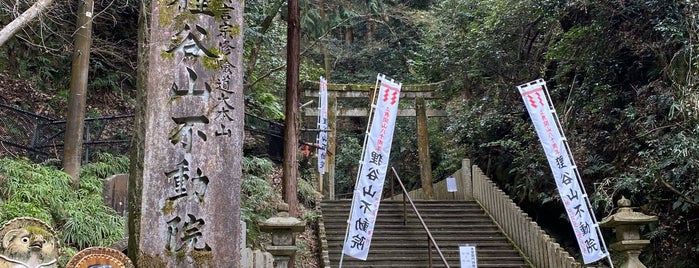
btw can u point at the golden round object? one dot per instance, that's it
(99, 257)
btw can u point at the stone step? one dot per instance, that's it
(428, 219)
(420, 257)
(421, 246)
(396, 232)
(409, 214)
(393, 205)
(452, 223)
(417, 228)
(451, 251)
(423, 261)
(436, 263)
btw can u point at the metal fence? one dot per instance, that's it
(40, 138)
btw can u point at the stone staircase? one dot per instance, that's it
(394, 245)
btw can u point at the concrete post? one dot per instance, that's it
(466, 179)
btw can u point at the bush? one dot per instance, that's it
(257, 197)
(80, 218)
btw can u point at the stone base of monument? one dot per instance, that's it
(257, 259)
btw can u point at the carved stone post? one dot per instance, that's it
(190, 136)
(282, 227)
(626, 223)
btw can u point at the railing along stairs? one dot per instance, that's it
(540, 249)
(430, 238)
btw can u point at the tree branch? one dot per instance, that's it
(674, 190)
(20, 22)
(270, 72)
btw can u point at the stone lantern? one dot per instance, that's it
(282, 227)
(626, 223)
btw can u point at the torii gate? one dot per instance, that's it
(417, 92)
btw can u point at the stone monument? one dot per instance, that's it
(193, 135)
(283, 228)
(626, 223)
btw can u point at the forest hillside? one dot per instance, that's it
(622, 74)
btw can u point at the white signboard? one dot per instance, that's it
(322, 125)
(467, 256)
(372, 171)
(565, 172)
(451, 184)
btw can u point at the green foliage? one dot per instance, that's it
(104, 166)
(43, 50)
(89, 223)
(265, 56)
(44, 68)
(265, 104)
(265, 52)
(310, 216)
(257, 197)
(623, 78)
(30, 185)
(349, 149)
(404, 156)
(307, 193)
(481, 45)
(444, 161)
(80, 217)
(11, 210)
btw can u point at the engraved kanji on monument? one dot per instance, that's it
(193, 143)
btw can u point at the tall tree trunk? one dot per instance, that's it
(371, 29)
(324, 43)
(290, 168)
(137, 147)
(349, 36)
(72, 150)
(20, 22)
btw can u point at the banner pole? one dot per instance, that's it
(361, 163)
(563, 166)
(577, 173)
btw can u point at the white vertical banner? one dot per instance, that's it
(372, 170)
(322, 139)
(565, 172)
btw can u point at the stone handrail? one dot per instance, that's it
(534, 243)
(464, 187)
(323, 238)
(539, 248)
